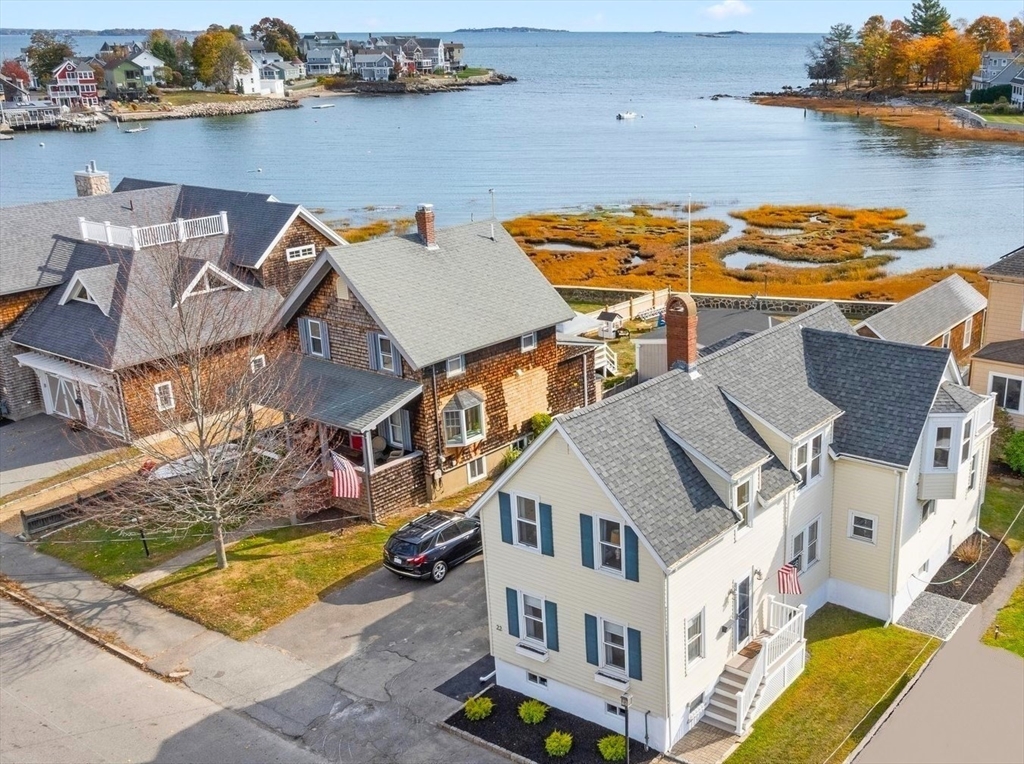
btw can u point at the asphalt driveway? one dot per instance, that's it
(387, 643)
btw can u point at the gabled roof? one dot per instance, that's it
(717, 324)
(954, 399)
(1006, 351)
(468, 293)
(1009, 267)
(928, 314)
(97, 282)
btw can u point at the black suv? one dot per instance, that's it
(431, 544)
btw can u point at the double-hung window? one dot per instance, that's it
(257, 363)
(968, 331)
(695, 638)
(742, 504)
(805, 546)
(385, 354)
(533, 618)
(455, 366)
(973, 480)
(1008, 392)
(808, 459)
(613, 647)
(940, 454)
(164, 396)
(611, 545)
(927, 509)
(862, 527)
(396, 430)
(526, 522)
(965, 443)
(315, 338)
(528, 342)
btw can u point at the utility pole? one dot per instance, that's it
(689, 256)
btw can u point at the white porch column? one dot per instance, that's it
(224, 222)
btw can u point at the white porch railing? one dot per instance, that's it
(787, 626)
(606, 359)
(136, 237)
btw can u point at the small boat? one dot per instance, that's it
(323, 106)
(137, 130)
(626, 115)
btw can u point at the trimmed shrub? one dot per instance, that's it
(558, 743)
(539, 423)
(612, 747)
(1013, 452)
(990, 95)
(510, 455)
(532, 711)
(479, 708)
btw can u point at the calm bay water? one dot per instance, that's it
(551, 141)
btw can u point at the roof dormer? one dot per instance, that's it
(209, 278)
(94, 286)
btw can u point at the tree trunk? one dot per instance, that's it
(218, 543)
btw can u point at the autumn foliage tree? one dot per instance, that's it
(215, 54)
(46, 51)
(277, 36)
(14, 71)
(989, 33)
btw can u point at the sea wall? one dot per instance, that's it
(417, 85)
(210, 109)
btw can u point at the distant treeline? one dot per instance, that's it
(97, 32)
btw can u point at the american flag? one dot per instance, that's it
(346, 483)
(789, 579)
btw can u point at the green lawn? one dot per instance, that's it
(272, 575)
(1010, 620)
(112, 557)
(852, 661)
(1013, 119)
(472, 71)
(1002, 503)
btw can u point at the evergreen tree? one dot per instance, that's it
(928, 18)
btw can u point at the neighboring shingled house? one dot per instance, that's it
(950, 314)
(998, 368)
(80, 300)
(634, 550)
(425, 356)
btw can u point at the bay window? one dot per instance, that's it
(940, 453)
(464, 419)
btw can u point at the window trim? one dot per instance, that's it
(528, 342)
(748, 513)
(601, 652)
(302, 252)
(537, 679)
(465, 439)
(972, 480)
(398, 442)
(613, 709)
(810, 466)
(992, 376)
(542, 643)
(82, 294)
(864, 516)
(515, 520)
(258, 363)
(310, 322)
(946, 340)
(804, 534)
(160, 406)
(482, 460)
(458, 372)
(391, 355)
(966, 439)
(968, 331)
(928, 508)
(701, 638)
(933, 441)
(599, 559)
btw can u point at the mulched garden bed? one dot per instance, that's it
(504, 728)
(992, 575)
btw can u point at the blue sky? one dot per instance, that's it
(441, 15)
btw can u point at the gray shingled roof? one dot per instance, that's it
(717, 324)
(954, 399)
(141, 318)
(1010, 265)
(469, 293)
(796, 375)
(928, 314)
(1007, 351)
(340, 396)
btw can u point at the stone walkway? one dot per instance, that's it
(705, 744)
(935, 615)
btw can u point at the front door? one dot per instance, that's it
(741, 626)
(63, 396)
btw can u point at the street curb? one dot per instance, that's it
(891, 709)
(74, 628)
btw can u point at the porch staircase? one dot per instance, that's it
(721, 710)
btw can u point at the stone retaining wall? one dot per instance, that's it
(211, 109)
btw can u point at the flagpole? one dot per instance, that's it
(689, 243)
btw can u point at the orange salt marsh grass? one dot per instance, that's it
(929, 120)
(648, 251)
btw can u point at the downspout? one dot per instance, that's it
(586, 383)
(437, 426)
(897, 534)
(668, 673)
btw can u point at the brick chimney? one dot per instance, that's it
(681, 330)
(425, 225)
(92, 182)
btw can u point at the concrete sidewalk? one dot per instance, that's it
(967, 705)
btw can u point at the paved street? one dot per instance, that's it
(41, 446)
(65, 700)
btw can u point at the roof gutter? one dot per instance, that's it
(878, 462)
(70, 360)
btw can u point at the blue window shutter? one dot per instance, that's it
(512, 603)
(372, 356)
(635, 659)
(590, 622)
(587, 540)
(547, 543)
(551, 624)
(303, 336)
(505, 508)
(632, 555)
(326, 340)
(406, 430)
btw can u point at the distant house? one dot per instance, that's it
(998, 368)
(122, 50)
(997, 68)
(319, 40)
(286, 71)
(422, 54)
(14, 91)
(74, 305)
(453, 55)
(73, 85)
(325, 62)
(151, 66)
(1017, 90)
(373, 66)
(124, 78)
(949, 314)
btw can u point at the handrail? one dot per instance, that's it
(137, 237)
(745, 697)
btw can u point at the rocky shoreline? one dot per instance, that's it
(191, 111)
(421, 86)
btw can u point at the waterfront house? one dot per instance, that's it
(285, 71)
(998, 67)
(325, 62)
(1017, 90)
(73, 85)
(373, 66)
(319, 40)
(631, 553)
(453, 52)
(424, 357)
(14, 91)
(77, 304)
(124, 79)
(949, 314)
(998, 368)
(422, 54)
(152, 67)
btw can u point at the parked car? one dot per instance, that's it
(430, 545)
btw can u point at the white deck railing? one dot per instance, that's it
(605, 358)
(136, 237)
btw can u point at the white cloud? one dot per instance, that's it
(728, 9)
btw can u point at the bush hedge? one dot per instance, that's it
(612, 747)
(532, 711)
(991, 95)
(479, 708)
(558, 743)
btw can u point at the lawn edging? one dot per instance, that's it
(889, 710)
(484, 743)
